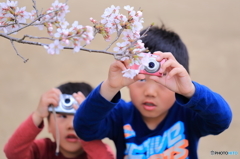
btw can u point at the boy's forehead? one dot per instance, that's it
(57, 113)
(146, 81)
(68, 114)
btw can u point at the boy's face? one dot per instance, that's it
(70, 145)
(152, 99)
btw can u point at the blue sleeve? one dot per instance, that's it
(213, 114)
(93, 119)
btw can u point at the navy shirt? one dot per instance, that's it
(206, 112)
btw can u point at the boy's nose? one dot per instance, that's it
(150, 91)
(70, 123)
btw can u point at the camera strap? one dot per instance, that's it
(57, 131)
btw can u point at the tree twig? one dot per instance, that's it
(24, 60)
(35, 37)
(134, 42)
(43, 44)
(118, 36)
(3, 26)
(35, 7)
(39, 17)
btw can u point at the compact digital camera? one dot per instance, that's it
(152, 68)
(65, 105)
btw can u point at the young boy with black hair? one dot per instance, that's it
(166, 116)
(23, 145)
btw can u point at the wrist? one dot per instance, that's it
(107, 91)
(191, 92)
(37, 118)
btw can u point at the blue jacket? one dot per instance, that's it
(177, 135)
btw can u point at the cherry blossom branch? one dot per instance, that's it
(30, 24)
(42, 23)
(134, 42)
(119, 32)
(35, 7)
(14, 19)
(35, 37)
(12, 39)
(24, 60)
(145, 32)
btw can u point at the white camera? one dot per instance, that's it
(65, 105)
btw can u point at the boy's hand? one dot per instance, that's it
(51, 97)
(116, 81)
(175, 77)
(79, 97)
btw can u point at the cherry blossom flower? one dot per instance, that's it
(77, 48)
(145, 58)
(139, 14)
(130, 73)
(21, 15)
(76, 26)
(11, 16)
(60, 8)
(93, 20)
(110, 10)
(63, 24)
(54, 48)
(121, 46)
(124, 58)
(129, 35)
(128, 8)
(6, 6)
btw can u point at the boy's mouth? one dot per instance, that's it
(149, 106)
(72, 138)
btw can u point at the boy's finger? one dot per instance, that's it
(168, 65)
(79, 97)
(174, 72)
(165, 55)
(126, 63)
(81, 94)
(52, 102)
(56, 91)
(75, 106)
(157, 53)
(155, 78)
(139, 77)
(122, 65)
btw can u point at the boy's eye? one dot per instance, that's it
(62, 116)
(142, 80)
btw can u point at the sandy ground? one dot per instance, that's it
(210, 29)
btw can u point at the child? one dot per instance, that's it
(23, 145)
(166, 116)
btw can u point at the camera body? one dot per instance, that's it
(65, 105)
(152, 68)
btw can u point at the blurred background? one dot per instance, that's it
(210, 29)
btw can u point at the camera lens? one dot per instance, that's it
(67, 100)
(151, 65)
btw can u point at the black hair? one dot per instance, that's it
(70, 88)
(164, 40)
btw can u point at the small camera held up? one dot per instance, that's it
(152, 68)
(65, 105)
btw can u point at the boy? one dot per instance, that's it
(22, 144)
(166, 116)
